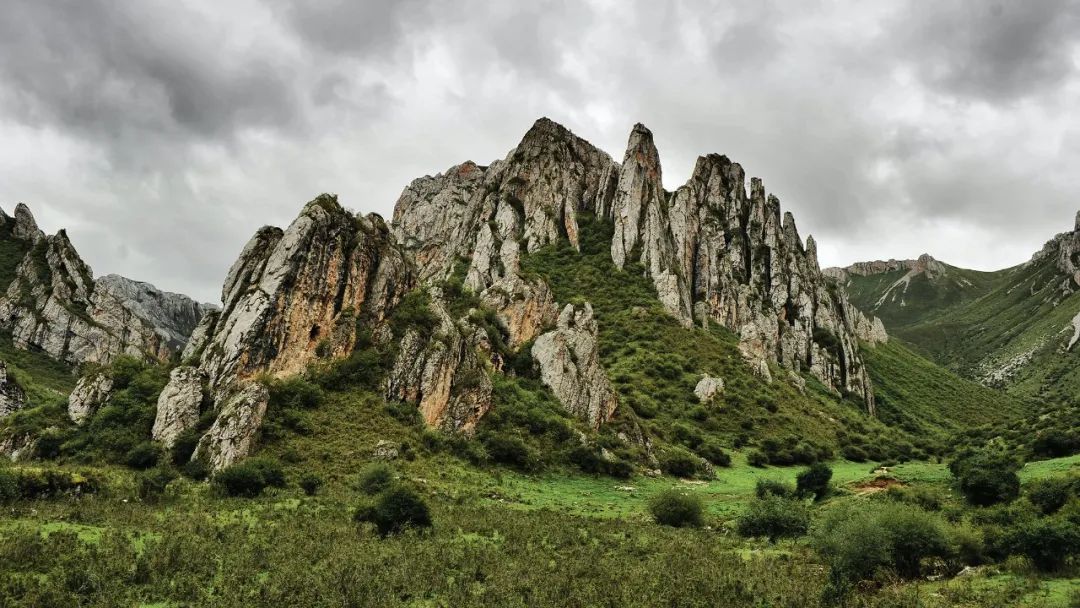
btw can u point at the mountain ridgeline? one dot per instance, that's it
(555, 276)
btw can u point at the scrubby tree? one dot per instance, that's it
(987, 478)
(677, 508)
(814, 481)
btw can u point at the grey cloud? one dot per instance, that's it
(997, 52)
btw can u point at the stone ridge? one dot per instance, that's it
(715, 252)
(54, 304)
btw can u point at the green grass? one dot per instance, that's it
(921, 397)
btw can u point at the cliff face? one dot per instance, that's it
(53, 303)
(293, 296)
(715, 252)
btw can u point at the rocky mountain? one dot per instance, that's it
(901, 292)
(52, 303)
(715, 252)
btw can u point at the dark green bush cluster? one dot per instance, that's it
(814, 481)
(986, 477)
(774, 487)
(869, 540)
(287, 409)
(774, 515)
(249, 478)
(119, 430)
(681, 463)
(788, 451)
(395, 507)
(677, 508)
(35, 483)
(150, 485)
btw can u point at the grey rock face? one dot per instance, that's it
(12, 396)
(179, 405)
(91, 392)
(569, 363)
(232, 436)
(715, 252)
(708, 387)
(295, 295)
(442, 373)
(55, 304)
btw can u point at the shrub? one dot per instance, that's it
(508, 450)
(774, 517)
(680, 463)
(395, 510)
(1055, 443)
(375, 478)
(151, 484)
(677, 509)
(862, 540)
(710, 450)
(195, 469)
(143, 456)
(814, 481)
(310, 483)
(928, 498)
(249, 478)
(773, 487)
(9, 485)
(184, 447)
(987, 478)
(757, 458)
(1048, 542)
(1050, 494)
(295, 393)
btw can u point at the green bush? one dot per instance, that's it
(814, 481)
(680, 463)
(143, 456)
(508, 450)
(195, 469)
(1048, 542)
(249, 478)
(396, 509)
(710, 450)
(375, 478)
(1050, 494)
(773, 487)
(774, 517)
(862, 540)
(183, 447)
(310, 483)
(38, 483)
(987, 478)
(151, 484)
(678, 509)
(757, 458)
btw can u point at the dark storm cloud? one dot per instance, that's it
(164, 133)
(990, 51)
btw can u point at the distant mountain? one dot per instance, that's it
(51, 302)
(903, 292)
(1016, 329)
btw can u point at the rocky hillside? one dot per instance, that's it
(52, 303)
(902, 292)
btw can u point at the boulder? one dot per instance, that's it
(90, 393)
(232, 436)
(708, 387)
(179, 405)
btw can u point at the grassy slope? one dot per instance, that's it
(923, 297)
(655, 363)
(922, 397)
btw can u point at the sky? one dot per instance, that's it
(163, 133)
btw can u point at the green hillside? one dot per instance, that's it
(901, 298)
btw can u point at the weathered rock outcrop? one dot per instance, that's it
(441, 371)
(295, 295)
(232, 436)
(91, 392)
(55, 305)
(179, 405)
(569, 361)
(12, 396)
(715, 252)
(1064, 250)
(708, 387)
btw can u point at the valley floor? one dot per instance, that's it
(500, 539)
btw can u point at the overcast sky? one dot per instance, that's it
(162, 134)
